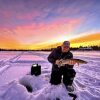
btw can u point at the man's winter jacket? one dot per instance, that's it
(57, 54)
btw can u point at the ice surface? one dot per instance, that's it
(15, 69)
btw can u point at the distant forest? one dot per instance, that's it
(81, 48)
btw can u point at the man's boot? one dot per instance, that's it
(70, 88)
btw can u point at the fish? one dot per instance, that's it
(67, 61)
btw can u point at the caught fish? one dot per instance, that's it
(68, 61)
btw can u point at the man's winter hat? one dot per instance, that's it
(66, 43)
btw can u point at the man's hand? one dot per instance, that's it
(58, 62)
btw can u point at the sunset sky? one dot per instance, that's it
(29, 24)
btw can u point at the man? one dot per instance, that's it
(67, 71)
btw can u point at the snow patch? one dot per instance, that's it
(41, 90)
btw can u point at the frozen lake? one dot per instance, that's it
(16, 64)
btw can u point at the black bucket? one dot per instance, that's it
(36, 69)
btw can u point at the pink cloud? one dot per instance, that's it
(43, 32)
(30, 15)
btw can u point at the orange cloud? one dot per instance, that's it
(8, 43)
(87, 40)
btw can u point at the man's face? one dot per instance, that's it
(65, 48)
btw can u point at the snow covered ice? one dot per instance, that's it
(14, 76)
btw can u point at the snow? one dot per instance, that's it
(14, 77)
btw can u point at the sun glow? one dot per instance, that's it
(86, 40)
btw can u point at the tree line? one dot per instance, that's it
(72, 48)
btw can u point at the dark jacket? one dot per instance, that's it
(57, 54)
